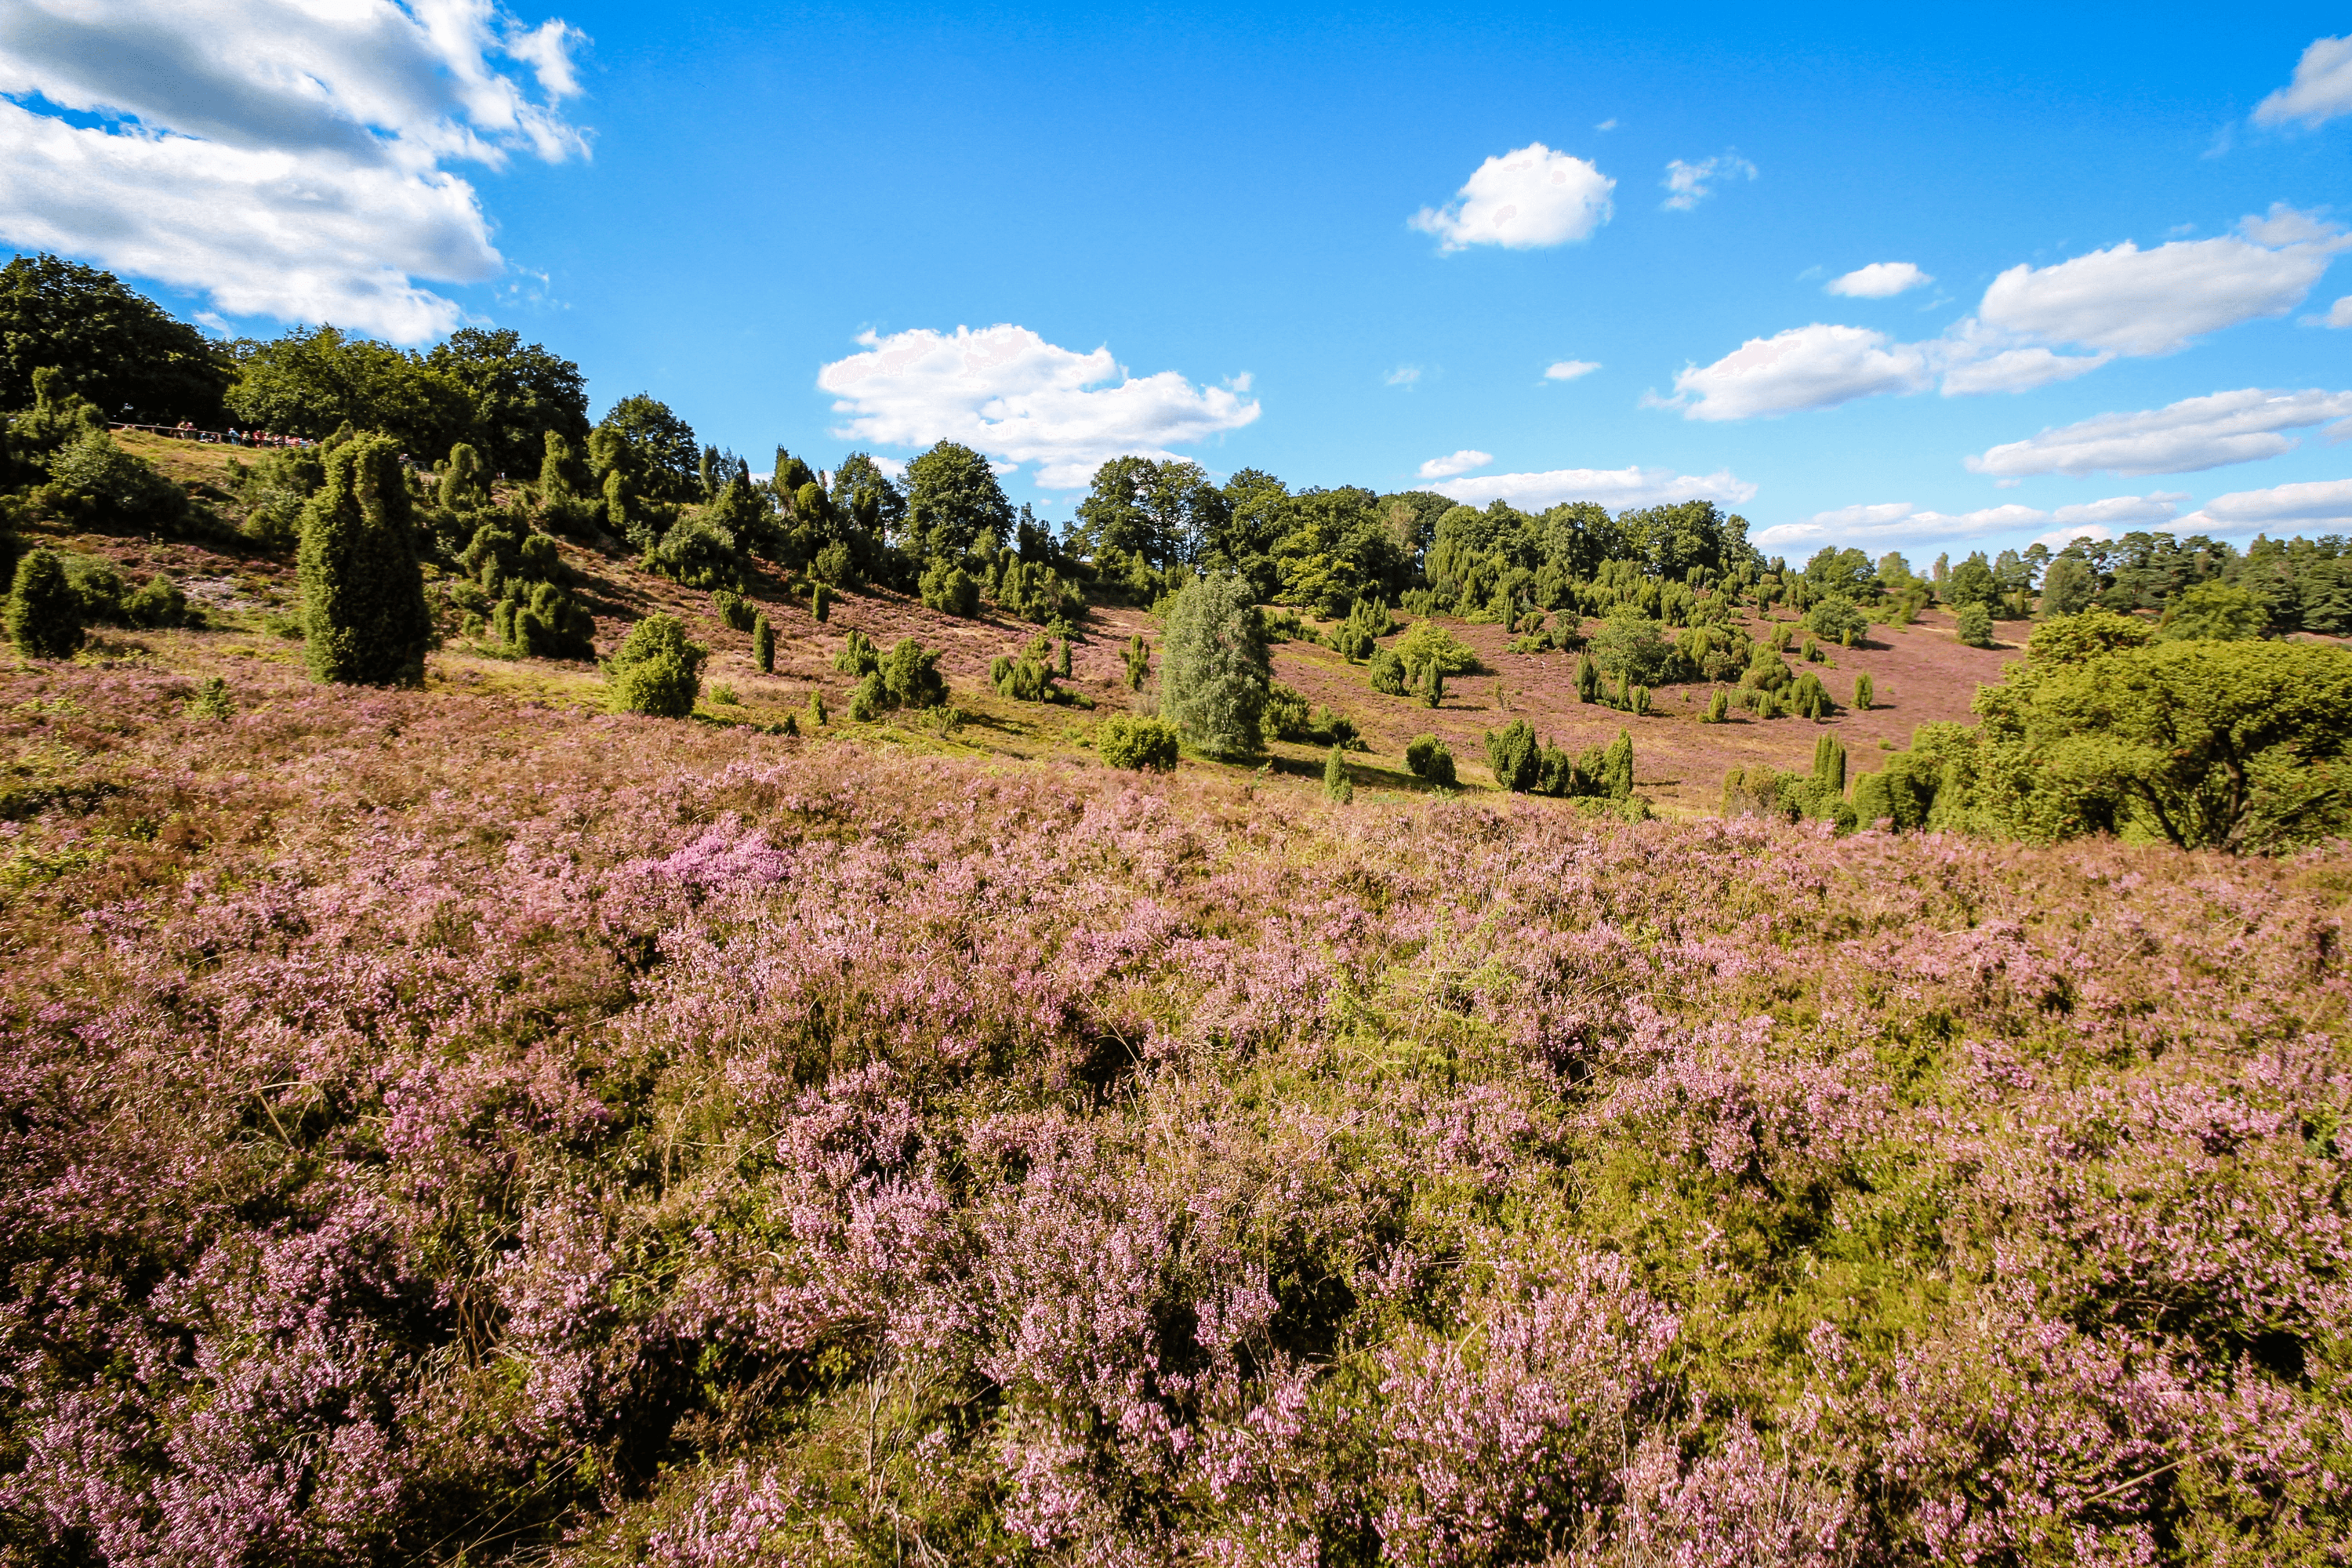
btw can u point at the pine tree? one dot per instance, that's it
(45, 613)
(1215, 673)
(1829, 768)
(1139, 663)
(1617, 768)
(763, 645)
(1588, 679)
(1862, 693)
(363, 612)
(1335, 784)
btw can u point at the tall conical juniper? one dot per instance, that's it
(364, 617)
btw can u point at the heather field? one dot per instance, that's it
(453, 1125)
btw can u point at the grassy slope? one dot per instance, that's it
(1921, 673)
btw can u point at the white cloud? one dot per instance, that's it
(1879, 281)
(1691, 183)
(285, 158)
(1900, 522)
(2341, 316)
(1569, 369)
(2180, 438)
(1608, 124)
(1611, 487)
(2121, 301)
(1460, 462)
(2320, 503)
(1525, 199)
(2137, 301)
(2320, 91)
(1403, 375)
(1008, 392)
(1805, 367)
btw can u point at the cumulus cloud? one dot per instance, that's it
(2341, 315)
(2320, 89)
(2319, 503)
(1008, 392)
(1879, 281)
(2135, 301)
(285, 159)
(2119, 302)
(2180, 438)
(1522, 200)
(1612, 488)
(1900, 522)
(1688, 185)
(1460, 462)
(1569, 369)
(1817, 366)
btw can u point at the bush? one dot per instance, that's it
(1139, 662)
(364, 620)
(1286, 716)
(159, 603)
(44, 616)
(115, 488)
(1634, 649)
(911, 677)
(1718, 707)
(858, 655)
(950, 590)
(1027, 677)
(1976, 625)
(1515, 756)
(1214, 671)
(212, 699)
(763, 645)
(1388, 672)
(1809, 699)
(2213, 611)
(2068, 586)
(1427, 757)
(1336, 785)
(1428, 646)
(1838, 620)
(98, 587)
(1137, 743)
(696, 553)
(656, 670)
(1616, 776)
(865, 699)
(1863, 692)
(820, 601)
(734, 611)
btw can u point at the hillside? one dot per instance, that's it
(440, 1126)
(1921, 672)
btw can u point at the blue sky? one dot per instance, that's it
(778, 220)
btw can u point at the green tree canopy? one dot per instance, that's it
(652, 446)
(955, 501)
(364, 621)
(1215, 674)
(115, 345)
(1163, 512)
(2214, 612)
(519, 394)
(313, 380)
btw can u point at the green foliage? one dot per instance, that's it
(763, 644)
(1974, 623)
(654, 449)
(1588, 679)
(159, 603)
(1718, 707)
(1214, 672)
(911, 677)
(211, 700)
(820, 601)
(1159, 512)
(108, 343)
(113, 490)
(735, 612)
(1617, 768)
(45, 615)
(656, 670)
(696, 553)
(1140, 743)
(1137, 657)
(1427, 646)
(1027, 678)
(955, 501)
(97, 586)
(2085, 636)
(1430, 758)
(1368, 621)
(1634, 649)
(2068, 588)
(1035, 592)
(525, 404)
(816, 714)
(464, 483)
(274, 489)
(1839, 620)
(1863, 692)
(1515, 756)
(1829, 766)
(2213, 611)
(1336, 785)
(865, 699)
(1809, 699)
(949, 589)
(58, 417)
(363, 616)
(1286, 715)
(1432, 685)
(1388, 672)
(858, 655)
(1972, 583)
(313, 380)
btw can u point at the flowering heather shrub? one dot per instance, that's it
(430, 1126)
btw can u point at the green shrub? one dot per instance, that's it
(1427, 757)
(1515, 756)
(695, 552)
(858, 655)
(950, 590)
(464, 483)
(114, 488)
(1588, 679)
(1027, 677)
(1388, 672)
(1718, 707)
(1432, 686)
(816, 714)
(1976, 625)
(1138, 743)
(1335, 784)
(364, 620)
(212, 699)
(1829, 766)
(2068, 586)
(865, 699)
(159, 603)
(833, 565)
(911, 677)
(1286, 716)
(2213, 611)
(1837, 619)
(1873, 803)
(1616, 776)
(1863, 692)
(734, 611)
(723, 695)
(45, 615)
(1809, 699)
(1214, 671)
(1428, 646)
(1139, 662)
(656, 670)
(98, 587)
(820, 601)
(763, 644)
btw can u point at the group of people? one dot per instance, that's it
(186, 430)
